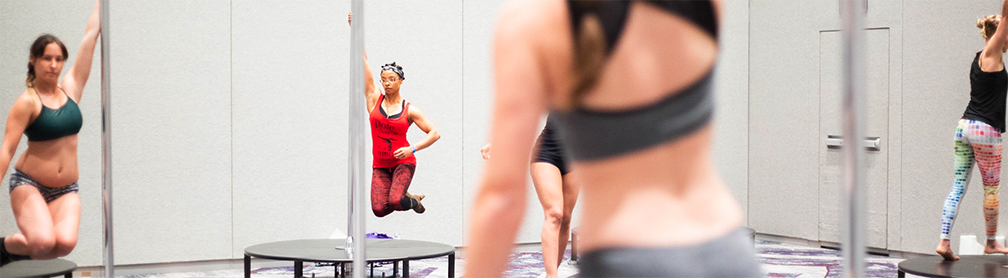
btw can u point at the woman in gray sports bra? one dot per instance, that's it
(633, 109)
(43, 188)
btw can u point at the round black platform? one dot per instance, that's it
(32, 268)
(966, 266)
(324, 250)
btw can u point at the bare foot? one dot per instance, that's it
(945, 250)
(994, 247)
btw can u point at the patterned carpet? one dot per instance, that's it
(779, 260)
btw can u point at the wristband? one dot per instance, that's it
(414, 148)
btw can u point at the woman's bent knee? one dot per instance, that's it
(41, 246)
(64, 246)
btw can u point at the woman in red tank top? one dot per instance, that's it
(394, 164)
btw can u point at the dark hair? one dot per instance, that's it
(37, 50)
(394, 68)
(589, 57)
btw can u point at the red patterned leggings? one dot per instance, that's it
(388, 189)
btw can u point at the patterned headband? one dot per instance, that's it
(395, 70)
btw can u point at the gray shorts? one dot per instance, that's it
(731, 255)
(19, 178)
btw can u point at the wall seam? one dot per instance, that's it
(899, 241)
(464, 145)
(748, 112)
(231, 101)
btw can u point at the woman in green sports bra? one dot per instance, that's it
(43, 187)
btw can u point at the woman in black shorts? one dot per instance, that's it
(557, 193)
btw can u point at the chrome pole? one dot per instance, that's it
(358, 131)
(106, 140)
(853, 228)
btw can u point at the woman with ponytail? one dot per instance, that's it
(629, 86)
(43, 187)
(978, 136)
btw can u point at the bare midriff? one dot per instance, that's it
(669, 195)
(52, 163)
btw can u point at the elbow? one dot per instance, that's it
(435, 135)
(503, 199)
(6, 154)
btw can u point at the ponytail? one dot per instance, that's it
(589, 57)
(30, 81)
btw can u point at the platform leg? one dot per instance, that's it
(248, 266)
(405, 268)
(451, 265)
(68, 275)
(298, 269)
(574, 240)
(900, 274)
(395, 268)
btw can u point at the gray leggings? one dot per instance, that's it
(729, 256)
(19, 178)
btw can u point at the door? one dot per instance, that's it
(876, 109)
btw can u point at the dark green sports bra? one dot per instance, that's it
(53, 124)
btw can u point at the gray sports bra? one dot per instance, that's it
(593, 135)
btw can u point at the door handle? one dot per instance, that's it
(871, 143)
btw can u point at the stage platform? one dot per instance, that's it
(325, 250)
(32, 269)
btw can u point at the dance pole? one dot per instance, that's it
(852, 231)
(355, 233)
(106, 139)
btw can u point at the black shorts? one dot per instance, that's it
(550, 149)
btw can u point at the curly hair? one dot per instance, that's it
(988, 25)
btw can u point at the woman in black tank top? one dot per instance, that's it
(978, 136)
(43, 188)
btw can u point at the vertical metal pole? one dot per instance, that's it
(853, 228)
(358, 131)
(106, 139)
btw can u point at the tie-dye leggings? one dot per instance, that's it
(979, 142)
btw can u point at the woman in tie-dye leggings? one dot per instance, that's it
(975, 141)
(978, 137)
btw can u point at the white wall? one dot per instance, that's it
(783, 118)
(731, 118)
(230, 124)
(289, 123)
(171, 130)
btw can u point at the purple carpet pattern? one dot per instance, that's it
(777, 259)
(782, 260)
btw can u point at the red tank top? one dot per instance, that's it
(388, 135)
